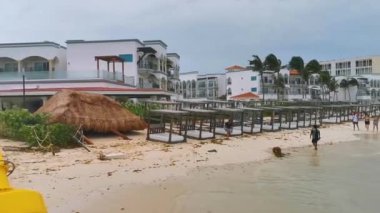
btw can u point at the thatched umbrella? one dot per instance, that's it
(94, 112)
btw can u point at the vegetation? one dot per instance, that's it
(313, 67)
(139, 109)
(34, 129)
(271, 63)
(333, 86)
(325, 79)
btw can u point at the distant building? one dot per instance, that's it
(202, 86)
(352, 66)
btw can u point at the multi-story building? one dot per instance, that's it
(364, 69)
(241, 80)
(129, 68)
(353, 66)
(203, 86)
(142, 64)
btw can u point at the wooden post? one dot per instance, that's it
(108, 66)
(170, 130)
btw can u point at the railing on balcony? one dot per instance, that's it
(67, 75)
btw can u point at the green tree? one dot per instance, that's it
(279, 83)
(352, 82)
(333, 87)
(325, 79)
(257, 65)
(344, 85)
(271, 63)
(297, 63)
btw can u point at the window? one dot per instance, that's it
(10, 67)
(229, 81)
(253, 78)
(229, 92)
(253, 89)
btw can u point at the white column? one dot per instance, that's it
(19, 69)
(51, 64)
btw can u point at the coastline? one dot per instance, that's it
(75, 180)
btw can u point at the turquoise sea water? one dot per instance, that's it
(337, 178)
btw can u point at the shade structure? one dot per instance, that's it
(94, 112)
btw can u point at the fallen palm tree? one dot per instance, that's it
(92, 112)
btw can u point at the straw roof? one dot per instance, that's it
(94, 112)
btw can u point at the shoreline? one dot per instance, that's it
(75, 179)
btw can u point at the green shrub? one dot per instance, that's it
(139, 109)
(19, 124)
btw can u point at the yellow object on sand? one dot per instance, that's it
(17, 200)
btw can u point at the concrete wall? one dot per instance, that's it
(81, 56)
(241, 82)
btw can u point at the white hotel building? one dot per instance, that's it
(365, 69)
(202, 86)
(127, 68)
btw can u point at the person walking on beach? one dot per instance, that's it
(355, 120)
(366, 121)
(315, 136)
(376, 123)
(228, 126)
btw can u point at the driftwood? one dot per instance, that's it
(120, 134)
(17, 148)
(87, 140)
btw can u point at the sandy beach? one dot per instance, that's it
(75, 180)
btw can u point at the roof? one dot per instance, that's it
(173, 55)
(245, 96)
(103, 41)
(94, 112)
(32, 44)
(156, 42)
(235, 68)
(294, 72)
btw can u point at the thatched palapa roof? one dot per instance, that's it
(94, 112)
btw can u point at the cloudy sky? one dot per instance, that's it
(208, 34)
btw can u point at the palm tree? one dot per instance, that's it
(352, 82)
(258, 66)
(313, 67)
(279, 83)
(344, 85)
(332, 86)
(297, 63)
(271, 63)
(325, 78)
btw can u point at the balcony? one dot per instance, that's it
(67, 75)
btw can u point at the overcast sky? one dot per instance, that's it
(209, 35)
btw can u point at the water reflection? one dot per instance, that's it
(314, 159)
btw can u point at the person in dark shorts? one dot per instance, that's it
(228, 126)
(366, 121)
(315, 136)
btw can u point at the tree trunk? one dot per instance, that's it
(262, 86)
(349, 95)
